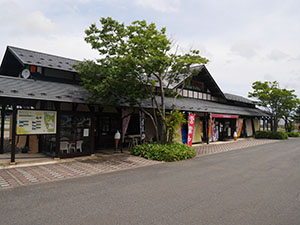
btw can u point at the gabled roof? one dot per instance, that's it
(29, 57)
(12, 87)
(207, 78)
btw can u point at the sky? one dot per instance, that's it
(245, 41)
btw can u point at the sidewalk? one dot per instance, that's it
(225, 146)
(17, 176)
(31, 173)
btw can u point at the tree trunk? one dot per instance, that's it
(275, 127)
(286, 125)
(163, 133)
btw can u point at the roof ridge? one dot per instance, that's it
(33, 51)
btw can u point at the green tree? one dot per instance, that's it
(288, 107)
(296, 115)
(280, 103)
(137, 62)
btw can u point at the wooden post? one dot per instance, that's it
(13, 138)
(58, 127)
(93, 123)
(253, 127)
(272, 123)
(2, 129)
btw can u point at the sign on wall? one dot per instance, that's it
(36, 122)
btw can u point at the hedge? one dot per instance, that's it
(293, 134)
(271, 134)
(168, 152)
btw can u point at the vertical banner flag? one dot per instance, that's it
(142, 126)
(126, 119)
(209, 126)
(191, 129)
(239, 126)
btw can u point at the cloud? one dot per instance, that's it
(160, 5)
(35, 23)
(246, 49)
(277, 55)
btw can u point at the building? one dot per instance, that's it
(50, 114)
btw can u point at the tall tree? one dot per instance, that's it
(136, 62)
(280, 103)
(288, 107)
(296, 115)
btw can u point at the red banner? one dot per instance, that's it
(191, 129)
(225, 116)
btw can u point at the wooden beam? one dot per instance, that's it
(2, 129)
(58, 127)
(13, 140)
(93, 125)
(253, 127)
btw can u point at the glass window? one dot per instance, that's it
(75, 133)
(200, 95)
(185, 93)
(208, 97)
(195, 94)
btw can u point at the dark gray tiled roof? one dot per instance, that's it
(41, 90)
(29, 57)
(197, 105)
(237, 98)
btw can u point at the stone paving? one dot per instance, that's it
(14, 177)
(218, 147)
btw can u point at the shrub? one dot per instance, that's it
(293, 134)
(168, 152)
(278, 135)
(271, 134)
(262, 134)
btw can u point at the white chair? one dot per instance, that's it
(64, 146)
(79, 145)
(133, 141)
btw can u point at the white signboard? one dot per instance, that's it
(36, 122)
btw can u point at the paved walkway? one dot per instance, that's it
(18, 176)
(217, 147)
(14, 177)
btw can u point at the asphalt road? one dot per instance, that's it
(257, 185)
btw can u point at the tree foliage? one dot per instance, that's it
(136, 62)
(281, 103)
